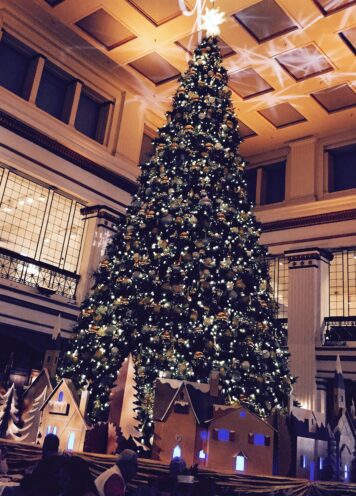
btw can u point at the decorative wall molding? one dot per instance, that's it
(102, 212)
(12, 124)
(311, 220)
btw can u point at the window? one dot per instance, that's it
(273, 183)
(146, 148)
(51, 430)
(303, 461)
(240, 463)
(251, 181)
(342, 168)
(71, 441)
(60, 396)
(39, 223)
(342, 286)
(259, 439)
(177, 452)
(15, 64)
(92, 116)
(202, 455)
(279, 276)
(223, 435)
(56, 89)
(203, 435)
(321, 463)
(242, 414)
(346, 472)
(54, 92)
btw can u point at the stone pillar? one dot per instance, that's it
(100, 226)
(131, 129)
(307, 308)
(301, 183)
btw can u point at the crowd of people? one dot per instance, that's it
(68, 475)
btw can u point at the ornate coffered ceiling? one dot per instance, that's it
(292, 63)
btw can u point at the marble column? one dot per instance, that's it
(307, 308)
(100, 227)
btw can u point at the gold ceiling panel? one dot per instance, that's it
(305, 62)
(248, 83)
(331, 6)
(157, 11)
(282, 115)
(245, 131)
(155, 68)
(105, 29)
(349, 37)
(336, 98)
(265, 20)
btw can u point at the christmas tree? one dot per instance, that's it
(184, 286)
(10, 417)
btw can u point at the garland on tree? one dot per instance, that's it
(184, 286)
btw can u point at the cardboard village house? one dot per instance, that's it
(190, 421)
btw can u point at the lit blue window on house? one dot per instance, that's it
(60, 396)
(240, 463)
(177, 452)
(223, 435)
(71, 440)
(346, 472)
(242, 414)
(259, 440)
(303, 461)
(202, 455)
(203, 435)
(321, 463)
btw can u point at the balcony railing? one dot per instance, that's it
(338, 330)
(45, 277)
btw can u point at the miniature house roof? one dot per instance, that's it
(42, 381)
(167, 390)
(204, 406)
(303, 426)
(220, 411)
(240, 453)
(68, 387)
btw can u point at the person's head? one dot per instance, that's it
(50, 445)
(177, 466)
(127, 463)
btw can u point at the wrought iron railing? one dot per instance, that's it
(338, 330)
(45, 277)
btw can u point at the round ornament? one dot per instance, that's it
(245, 365)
